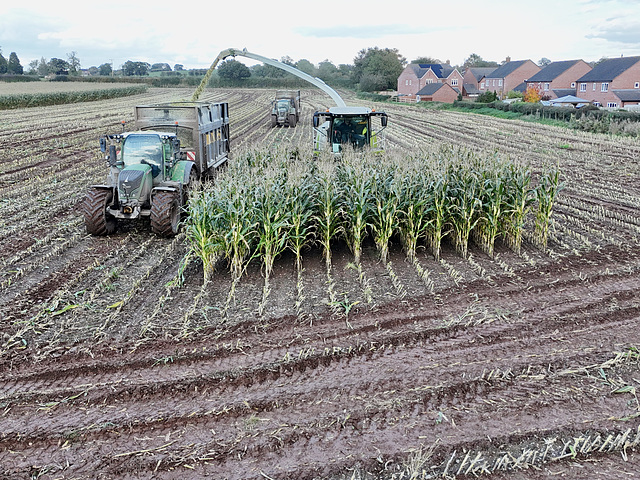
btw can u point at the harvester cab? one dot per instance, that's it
(354, 126)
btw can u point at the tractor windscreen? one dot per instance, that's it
(143, 149)
(352, 129)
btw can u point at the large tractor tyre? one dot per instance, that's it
(165, 213)
(292, 120)
(274, 120)
(94, 209)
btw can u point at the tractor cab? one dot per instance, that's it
(155, 149)
(353, 126)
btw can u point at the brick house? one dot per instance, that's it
(416, 76)
(473, 81)
(558, 78)
(511, 75)
(437, 92)
(612, 83)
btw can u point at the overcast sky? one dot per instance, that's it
(334, 30)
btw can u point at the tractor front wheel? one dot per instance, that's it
(165, 213)
(94, 209)
(292, 120)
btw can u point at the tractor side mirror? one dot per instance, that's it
(316, 121)
(103, 144)
(383, 120)
(176, 144)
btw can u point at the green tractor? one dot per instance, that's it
(149, 177)
(152, 168)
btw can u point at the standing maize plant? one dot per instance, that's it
(355, 186)
(238, 223)
(463, 205)
(203, 235)
(301, 197)
(437, 213)
(545, 193)
(414, 202)
(517, 204)
(328, 209)
(272, 219)
(384, 215)
(492, 208)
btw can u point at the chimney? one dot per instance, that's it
(448, 62)
(507, 60)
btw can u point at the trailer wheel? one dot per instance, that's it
(274, 121)
(165, 213)
(292, 120)
(94, 208)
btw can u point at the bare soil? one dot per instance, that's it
(511, 367)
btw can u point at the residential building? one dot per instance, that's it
(558, 79)
(473, 81)
(416, 76)
(437, 92)
(613, 83)
(511, 75)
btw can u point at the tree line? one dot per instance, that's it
(373, 69)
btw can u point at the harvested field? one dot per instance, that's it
(507, 367)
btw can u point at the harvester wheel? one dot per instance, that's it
(165, 213)
(274, 121)
(292, 120)
(94, 209)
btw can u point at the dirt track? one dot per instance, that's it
(520, 366)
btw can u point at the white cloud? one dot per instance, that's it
(193, 34)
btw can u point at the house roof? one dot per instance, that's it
(562, 92)
(507, 69)
(628, 95)
(570, 99)
(609, 69)
(471, 89)
(480, 72)
(431, 88)
(552, 71)
(441, 70)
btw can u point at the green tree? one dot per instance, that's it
(487, 97)
(105, 69)
(326, 70)
(373, 62)
(13, 66)
(42, 67)
(306, 66)
(57, 66)
(475, 60)
(426, 60)
(135, 68)
(160, 67)
(233, 70)
(73, 62)
(3, 64)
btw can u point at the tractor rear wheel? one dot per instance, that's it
(274, 121)
(94, 209)
(165, 213)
